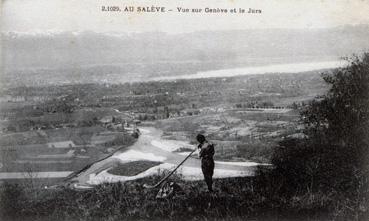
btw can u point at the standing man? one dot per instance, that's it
(207, 161)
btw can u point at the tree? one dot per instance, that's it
(334, 156)
(341, 117)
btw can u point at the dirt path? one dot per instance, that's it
(145, 150)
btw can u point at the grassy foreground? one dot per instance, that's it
(234, 199)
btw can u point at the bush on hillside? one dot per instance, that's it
(334, 157)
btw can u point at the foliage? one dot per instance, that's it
(341, 117)
(122, 139)
(334, 157)
(12, 199)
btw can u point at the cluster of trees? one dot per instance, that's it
(333, 158)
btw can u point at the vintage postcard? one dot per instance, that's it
(184, 110)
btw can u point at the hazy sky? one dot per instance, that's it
(82, 15)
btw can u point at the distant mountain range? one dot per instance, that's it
(160, 54)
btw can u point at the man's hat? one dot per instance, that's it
(200, 138)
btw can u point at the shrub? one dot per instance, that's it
(12, 198)
(334, 157)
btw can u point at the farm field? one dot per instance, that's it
(50, 146)
(51, 157)
(238, 134)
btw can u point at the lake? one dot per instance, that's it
(265, 69)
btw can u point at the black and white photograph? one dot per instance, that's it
(184, 110)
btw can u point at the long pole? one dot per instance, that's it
(167, 176)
